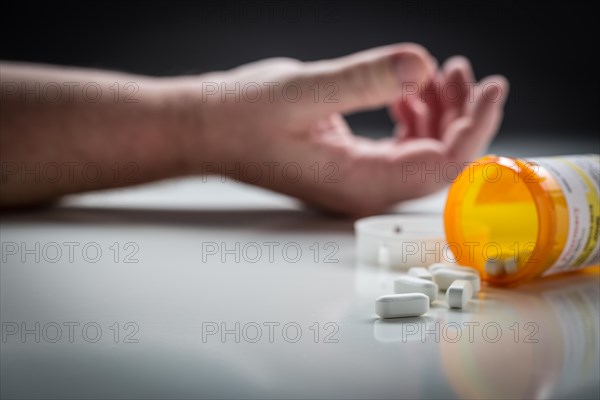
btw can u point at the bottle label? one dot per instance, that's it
(579, 179)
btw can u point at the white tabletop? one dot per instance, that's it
(298, 322)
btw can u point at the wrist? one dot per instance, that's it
(188, 126)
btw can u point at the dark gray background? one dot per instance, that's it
(546, 50)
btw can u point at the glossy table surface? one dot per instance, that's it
(206, 289)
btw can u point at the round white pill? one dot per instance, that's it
(420, 272)
(444, 278)
(511, 265)
(402, 305)
(494, 267)
(459, 293)
(410, 284)
(434, 267)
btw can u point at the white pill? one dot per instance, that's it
(402, 305)
(420, 272)
(455, 267)
(459, 293)
(511, 265)
(445, 277)
(494, 267)
(411, 284)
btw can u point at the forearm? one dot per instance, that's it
(70, 130)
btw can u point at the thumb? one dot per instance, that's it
(368, 79)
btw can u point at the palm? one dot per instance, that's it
(346, 173)
(430, 135)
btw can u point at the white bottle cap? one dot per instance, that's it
(400, 240)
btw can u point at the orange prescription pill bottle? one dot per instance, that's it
(517, 219)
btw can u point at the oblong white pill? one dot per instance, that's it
(434, 267)
(402, 305)
(411, 284)
(459, 293)
(420, 272)
(494, 267)
(445, 277)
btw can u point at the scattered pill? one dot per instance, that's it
(411, 284)
(494, 267)
(459, 293)
(444, 278)
(420, 272)
(511, 265)
(434, 267)
(402, 305)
